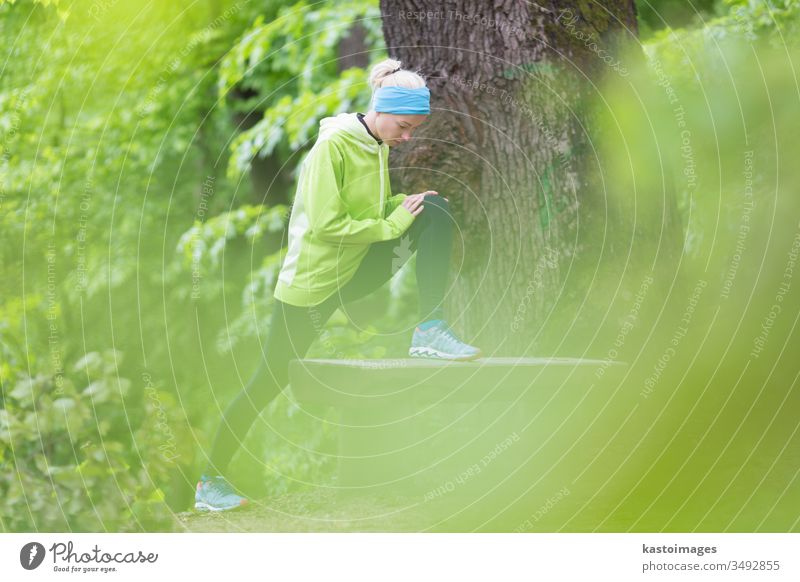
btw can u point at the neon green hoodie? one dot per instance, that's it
(343, 203)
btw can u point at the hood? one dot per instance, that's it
(351, 128)
(354, 131)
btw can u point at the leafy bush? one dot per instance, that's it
(75, 459)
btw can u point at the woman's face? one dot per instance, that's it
(395, 129)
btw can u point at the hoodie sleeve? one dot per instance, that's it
(327, 212)
(393, 202)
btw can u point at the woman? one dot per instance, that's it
(343, 235)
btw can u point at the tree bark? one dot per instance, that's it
(509, 142)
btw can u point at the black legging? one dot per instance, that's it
(293, 329)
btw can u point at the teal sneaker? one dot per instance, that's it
(440, 342)
(216, 494)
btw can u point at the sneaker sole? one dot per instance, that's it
(437, 355)
(200, 506)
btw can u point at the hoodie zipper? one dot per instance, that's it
(380, 161)
(329, 124)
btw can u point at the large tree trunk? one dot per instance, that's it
(509, 144)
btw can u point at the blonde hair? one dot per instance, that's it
(381, 75)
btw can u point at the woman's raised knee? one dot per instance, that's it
(436, 199)
(436, 202)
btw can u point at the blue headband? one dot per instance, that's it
(402, 101)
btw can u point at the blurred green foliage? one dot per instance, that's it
(122, 234)
(290, 64)
(655, 15)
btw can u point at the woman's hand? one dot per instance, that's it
(413, 202)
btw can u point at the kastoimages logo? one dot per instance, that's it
(31, 555)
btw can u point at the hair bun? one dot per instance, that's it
(382, 70)
(386, 69)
